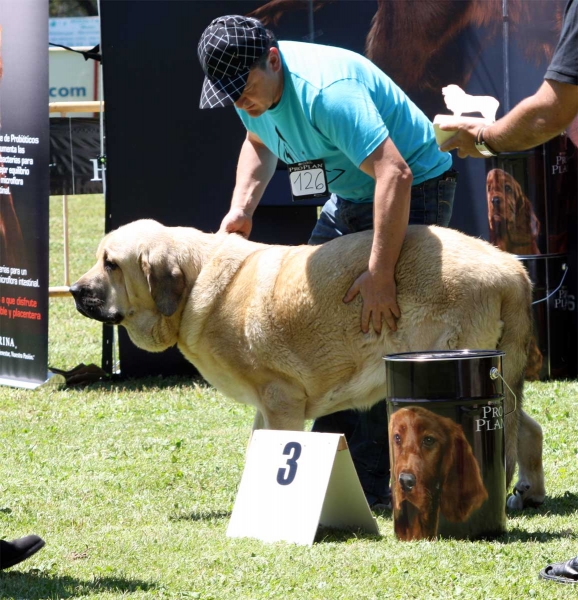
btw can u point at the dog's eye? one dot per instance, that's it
(508, 189)
(428, 441)
(109, 265)
(397, 439)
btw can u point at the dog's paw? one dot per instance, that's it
(522, 498)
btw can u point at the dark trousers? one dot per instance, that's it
(366, 432)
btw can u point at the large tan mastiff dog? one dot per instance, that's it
(266, 325)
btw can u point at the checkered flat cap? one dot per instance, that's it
(227, 50)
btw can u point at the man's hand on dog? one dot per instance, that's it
(237, 221)
(379, 295)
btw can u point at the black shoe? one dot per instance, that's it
(562, 572)
(11, 553)
(379, 503)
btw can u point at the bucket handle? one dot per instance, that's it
(494, 374)
(565, 269)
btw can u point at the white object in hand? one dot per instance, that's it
(459, 103)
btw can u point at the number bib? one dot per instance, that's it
(308, 179)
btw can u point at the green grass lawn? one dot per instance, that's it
(132, 484)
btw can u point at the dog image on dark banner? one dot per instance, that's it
(23, 193)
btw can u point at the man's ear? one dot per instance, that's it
(275, 59)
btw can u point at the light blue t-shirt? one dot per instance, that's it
(338, 106)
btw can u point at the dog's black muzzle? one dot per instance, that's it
(91, 305)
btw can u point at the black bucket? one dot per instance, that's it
(446, 418)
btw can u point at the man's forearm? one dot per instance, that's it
(254, 171)
(532, 122)
(391, 215)
(536, 119)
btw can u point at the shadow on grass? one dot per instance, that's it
(324, 534)
(562, 505)
(328, 534)
(116, 382)
(514, 534)
(34, 585)
(202, 515)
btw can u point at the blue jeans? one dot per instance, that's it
(366, 432)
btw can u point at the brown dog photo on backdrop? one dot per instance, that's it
(12, 249)
(267, 326)
(434, 471)
(417, 42)
(514, 226)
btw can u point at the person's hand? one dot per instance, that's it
(237, 221)
(464, 139)
(379, 297)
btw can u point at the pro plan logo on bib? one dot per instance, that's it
(308, 179)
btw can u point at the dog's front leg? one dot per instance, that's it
(258, 421)
(282, 407)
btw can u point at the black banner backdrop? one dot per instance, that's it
(75, 166)
(487, 47)
(23, 192)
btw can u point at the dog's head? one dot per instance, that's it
(419, 442)
(514, 226)
(136, 282)
(433, 462)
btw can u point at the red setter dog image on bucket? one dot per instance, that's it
(433, 471)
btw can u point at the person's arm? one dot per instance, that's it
(255, 168)
(530, 123)
(391, 203)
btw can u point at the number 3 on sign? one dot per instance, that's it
(286, 475)
(303, 479)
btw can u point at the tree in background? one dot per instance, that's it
(73, 8)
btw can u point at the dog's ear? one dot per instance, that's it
(396, 418)
(491, 180)
(524, 207)
(534, 221)
(463, 490)
(165, 278)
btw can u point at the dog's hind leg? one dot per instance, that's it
(529, 489)
(523, 434)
